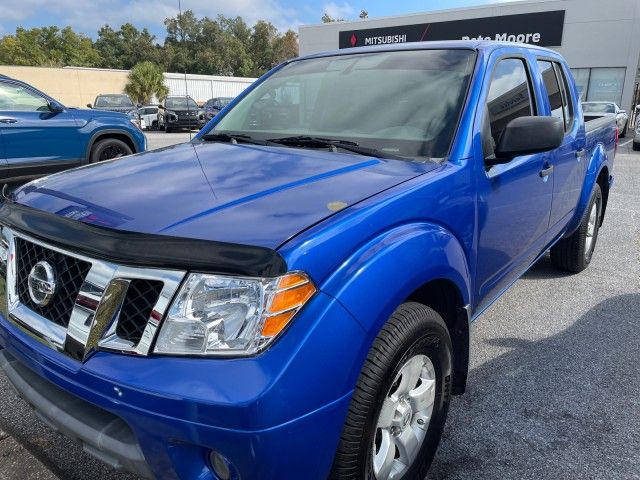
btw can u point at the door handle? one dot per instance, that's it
(8, 120)
(545, 172)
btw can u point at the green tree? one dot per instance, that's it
(261, 47)
(326, 18)
(126, 47)
(146, 80)
(286, 46)
(48, 46)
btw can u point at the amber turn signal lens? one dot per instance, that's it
(274, 325)
(292, 280)
(292, 298)
(293, 291)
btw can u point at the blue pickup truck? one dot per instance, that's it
(39, 135)
(289, 295)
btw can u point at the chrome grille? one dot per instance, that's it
(97, 304)
(71, 273)
(136, 310)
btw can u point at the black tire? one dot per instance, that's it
(109, 148)
(154, 125)
(570, 254)
(623, 132)
(636, 146)
(413, 329)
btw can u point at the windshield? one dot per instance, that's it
(181, 103)
(113, 101)
(598, 108)
(403, 102)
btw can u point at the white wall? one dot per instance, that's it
(203, 87)
(597, 33)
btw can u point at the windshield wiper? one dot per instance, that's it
(235, 138)
(319, 142)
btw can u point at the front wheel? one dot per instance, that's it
(574, 254)
(109, 148)
(399, 406)
(636, 146)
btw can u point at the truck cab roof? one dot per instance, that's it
(483, 45)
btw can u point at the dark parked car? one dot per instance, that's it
(39, 135)
(117, 102)
(213, 106)
(180, 113)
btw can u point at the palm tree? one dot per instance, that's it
(145, 81)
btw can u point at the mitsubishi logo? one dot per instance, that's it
(353, 40)
(42, 283)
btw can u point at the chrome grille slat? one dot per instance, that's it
(72, 274)
(94, 320)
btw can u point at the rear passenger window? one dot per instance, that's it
(554, 91)
(557, 90)
(509, 95)
(567, 104)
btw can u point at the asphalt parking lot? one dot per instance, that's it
(162, 139)
(554, 386)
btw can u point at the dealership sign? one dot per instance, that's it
(543, 28)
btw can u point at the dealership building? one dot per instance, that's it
(599, 38)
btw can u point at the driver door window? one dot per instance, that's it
(14, 98)
(509, 95)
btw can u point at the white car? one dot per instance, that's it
(149, 115)
(608, 108)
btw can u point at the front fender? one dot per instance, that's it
(386, 270)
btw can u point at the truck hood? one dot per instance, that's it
(244, 194)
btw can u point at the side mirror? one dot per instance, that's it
(528, 135)
(55, 107)
(623, 112)
(89, 105)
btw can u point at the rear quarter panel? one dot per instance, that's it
(600, 146)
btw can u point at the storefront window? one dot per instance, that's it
(581, 76)
(605, 84)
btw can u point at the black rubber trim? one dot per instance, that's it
(142, 249)
(102, 434)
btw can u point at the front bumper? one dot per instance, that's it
(277, 415)
(190, 122)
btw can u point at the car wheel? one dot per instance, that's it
(623, 132)
(399, 406)
(574, 254)
(636, 146)
(109, 148)
(154, 125)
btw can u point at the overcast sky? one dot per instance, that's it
(88, 15)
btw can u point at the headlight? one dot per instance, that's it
(219, 315)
